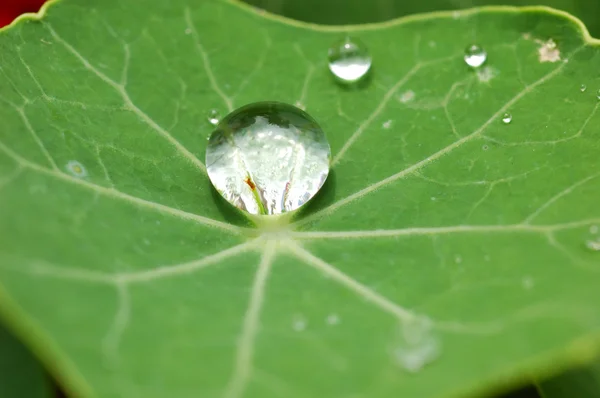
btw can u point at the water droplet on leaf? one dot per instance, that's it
(268, 158)
(213, 117)
(475, 56)
(419, 346)
(349, 60)
(333, 319)
(76, 169)
(299, 323)
(593, 245)
(582, 88)
(506, 118)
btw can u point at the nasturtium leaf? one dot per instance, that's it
(20, 374)
(447, 254)
(583, 382)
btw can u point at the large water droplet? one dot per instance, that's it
(475, 56)
(213, 117)
(349, 60)
(268, 158)
(419, 346)
(506, 118)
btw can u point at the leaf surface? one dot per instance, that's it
(448, 253)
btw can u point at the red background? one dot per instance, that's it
(10, 9)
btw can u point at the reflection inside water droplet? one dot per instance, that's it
(213, 117)
(349, 60)
(506, 118)
(419, 345)
(268, 158)
(475, 56)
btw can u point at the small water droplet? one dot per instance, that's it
(349, 60)
(593, 229)
(593, 245)
(506, 118)
(387, 124)
(485, 147)
(268, 158)
(76, 169)
(407, 96)
(582, 88)
(299, 323)
(333, 319)
(433, 198)
(551, 44)
(213, 117)
(419, 346)
(475, 56)
(527, 282)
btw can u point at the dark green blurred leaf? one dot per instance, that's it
(578, 383)
(362, 11)
(21, 376)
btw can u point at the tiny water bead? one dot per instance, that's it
(419, 346)
(268, 158)
(582, 88)
(76, 169)
(475, 56)
(213, 117)
(593, 245)
(506, 118)
(349, 60)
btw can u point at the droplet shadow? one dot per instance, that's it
(359, 85)
(230, 213)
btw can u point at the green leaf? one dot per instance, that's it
(20, 374)
(359, 11)
(444, 241)
(581, 383)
